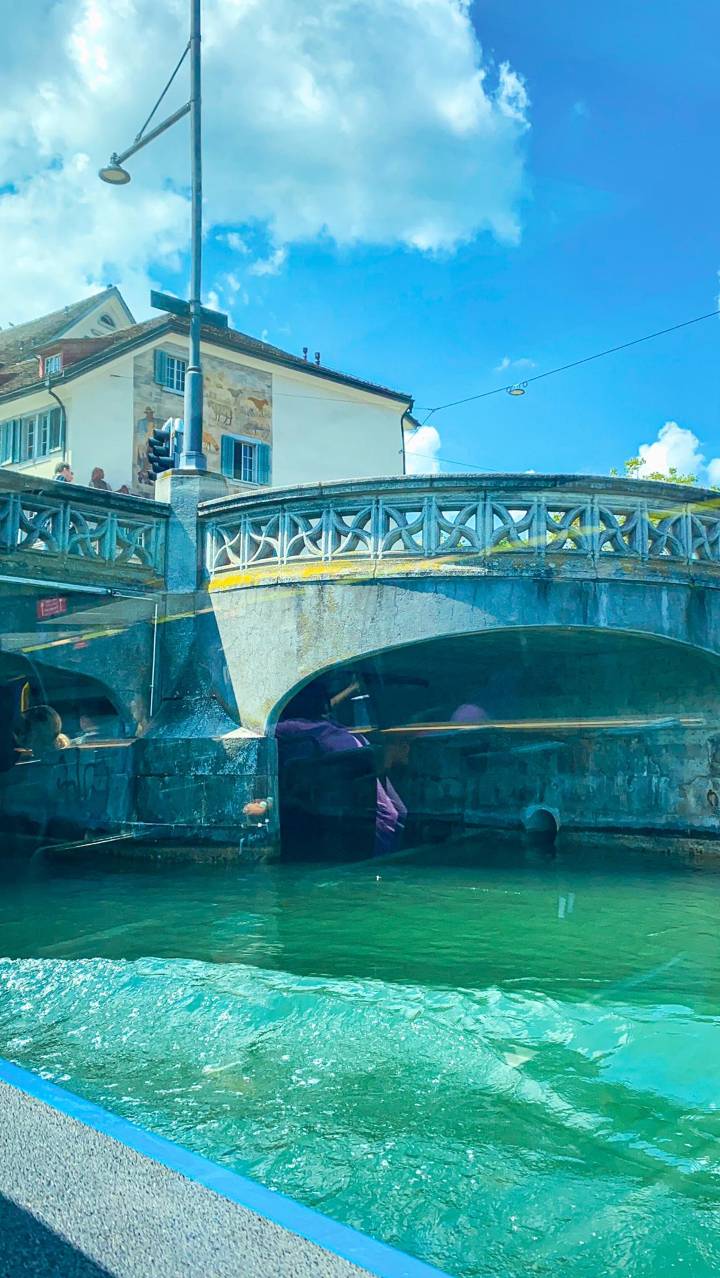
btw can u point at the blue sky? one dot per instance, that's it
(620, 237)
(422, 190)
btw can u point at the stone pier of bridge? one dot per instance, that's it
(518, 643)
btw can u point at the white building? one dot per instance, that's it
(87, 384)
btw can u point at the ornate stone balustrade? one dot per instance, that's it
(536, 518)
(47, 528)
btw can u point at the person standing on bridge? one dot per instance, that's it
(64, 473)
(98, 480)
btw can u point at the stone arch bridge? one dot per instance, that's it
(579, 617)
(538, 640)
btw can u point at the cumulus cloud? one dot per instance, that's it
(421, 451)
(363, 121)
(679, 448)
(60, 239)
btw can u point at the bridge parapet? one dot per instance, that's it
(534, 518)
(49, 529)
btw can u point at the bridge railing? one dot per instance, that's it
(48, 528)
(536, 517)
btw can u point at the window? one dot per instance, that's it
(245, 459)
(30, 438)
(7, 435)
(53, 364)
(108, 321)
(170, 371)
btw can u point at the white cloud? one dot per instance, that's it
(271, 265)
(421, 451)
(678, 447)
(362, 122)
(235, 242)
(61, 239)
(520, 364)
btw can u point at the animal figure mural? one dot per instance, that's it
(237, 402)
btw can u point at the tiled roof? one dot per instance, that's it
(23, 374)
(21, 340)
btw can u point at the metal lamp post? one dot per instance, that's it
(192, 456)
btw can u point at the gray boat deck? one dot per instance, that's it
(76, 1202)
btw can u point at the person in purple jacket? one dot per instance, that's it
(314, 749)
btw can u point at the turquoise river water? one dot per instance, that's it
(504, 1062)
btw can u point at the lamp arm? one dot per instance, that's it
(150, 137)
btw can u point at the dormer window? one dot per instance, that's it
(53, 364)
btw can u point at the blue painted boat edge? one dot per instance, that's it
(342, 1240)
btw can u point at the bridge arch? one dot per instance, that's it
(616, 579)
(276, 639)
(597, 728)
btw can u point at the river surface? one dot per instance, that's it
(503, 1062)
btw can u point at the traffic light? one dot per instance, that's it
(163, 447)
(159, 451)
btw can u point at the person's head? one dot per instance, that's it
(64, 471)
(97, 476)
(41, 726)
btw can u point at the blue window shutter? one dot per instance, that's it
(227, 455)
(5, 450)
(16, 439)
(160, 367)
(55, 440)
(263, 464)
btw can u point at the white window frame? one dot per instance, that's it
(252, 446)
(175, 370)
(30, 438)
(53, 364)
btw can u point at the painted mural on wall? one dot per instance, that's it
(238, 401)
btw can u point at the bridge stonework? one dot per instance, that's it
(589, 605)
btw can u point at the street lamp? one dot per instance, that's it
(192, 456)
(114, 173)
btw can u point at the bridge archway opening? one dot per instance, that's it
(44, 713)
(525, 728)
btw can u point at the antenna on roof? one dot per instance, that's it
(305, 351)
(317, 358)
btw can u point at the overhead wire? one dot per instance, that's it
(550, 372)
(562, 368)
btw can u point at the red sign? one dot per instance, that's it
(53, 607)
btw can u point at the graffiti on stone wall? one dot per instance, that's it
(237, 401)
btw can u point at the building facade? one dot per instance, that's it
(88, 385)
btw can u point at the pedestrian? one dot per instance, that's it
(97, 479)
(64, 473)
(41, 731)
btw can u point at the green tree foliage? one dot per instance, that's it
(671, 476)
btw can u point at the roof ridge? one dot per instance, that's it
(60, 311)
(229, 339)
